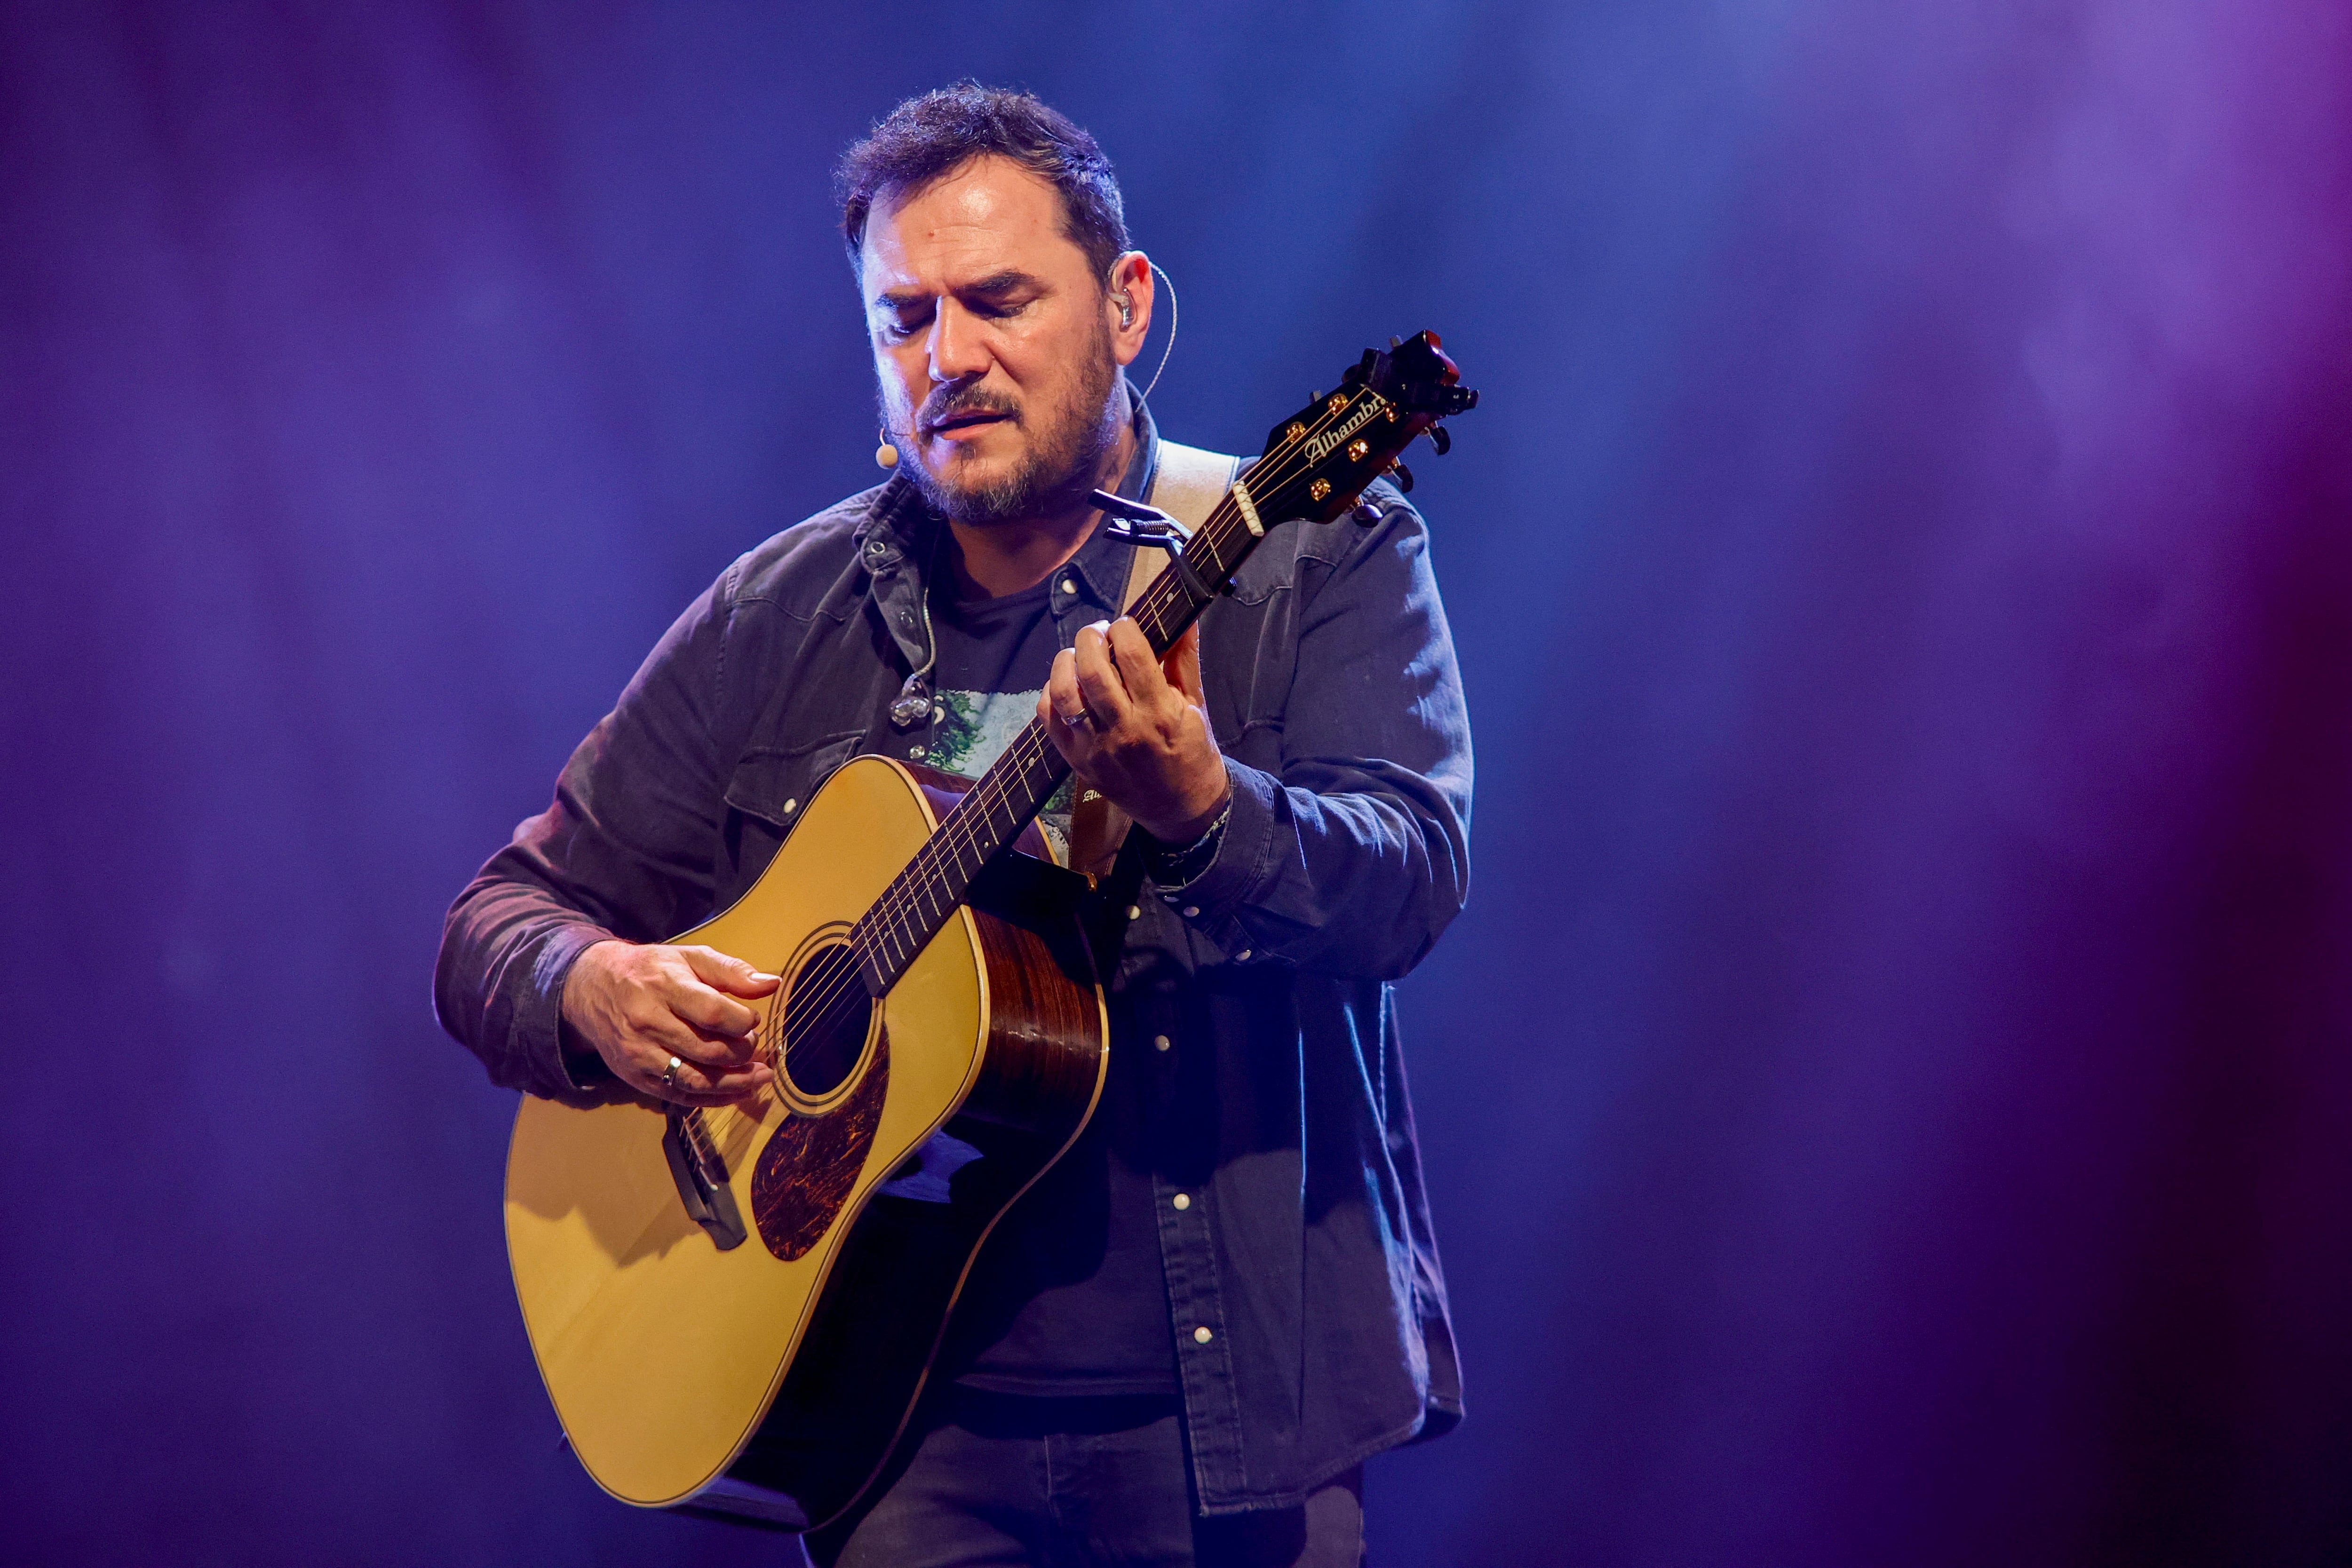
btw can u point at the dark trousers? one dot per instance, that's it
(994, 1479)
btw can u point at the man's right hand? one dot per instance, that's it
(640, 1005)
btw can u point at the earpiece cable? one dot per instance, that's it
(1170, 346)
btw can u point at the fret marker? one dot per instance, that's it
(1249, 510)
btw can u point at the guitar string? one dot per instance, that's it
(890, 915)
(892, 918)
(959, 837)
(958, 832)
(963, 831)
(980, 804)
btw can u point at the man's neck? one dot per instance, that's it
(1020, 552)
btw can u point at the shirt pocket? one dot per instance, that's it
(1248, 652)
(773, 784)
(768, 792)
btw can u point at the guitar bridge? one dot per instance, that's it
(701, 1178)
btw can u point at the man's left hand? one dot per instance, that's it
(1132, 732)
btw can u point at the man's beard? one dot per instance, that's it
(1065, 457)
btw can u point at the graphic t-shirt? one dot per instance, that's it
(993, 658)
(1067, 1296)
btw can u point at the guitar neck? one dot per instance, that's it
(918, 903)
(1166, 607)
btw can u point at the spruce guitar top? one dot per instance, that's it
(939, 1033)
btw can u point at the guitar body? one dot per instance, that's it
(768, 1379)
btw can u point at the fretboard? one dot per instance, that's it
(917, 904)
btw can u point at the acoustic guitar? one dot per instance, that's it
(735, 1309)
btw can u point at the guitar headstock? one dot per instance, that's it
(1320, 459)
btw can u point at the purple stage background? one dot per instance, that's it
(1888, 1101)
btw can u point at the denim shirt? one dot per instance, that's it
(1304, 1292)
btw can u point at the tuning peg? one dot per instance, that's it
(1404, 476)
(1314, 397)
(1440, 440)
(1364, 514)
(1395, 342)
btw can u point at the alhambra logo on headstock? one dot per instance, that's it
(1328, 442)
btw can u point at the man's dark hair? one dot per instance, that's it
(926, 139)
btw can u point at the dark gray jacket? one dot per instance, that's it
(1306, 1253)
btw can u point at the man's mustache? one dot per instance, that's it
(948, 403)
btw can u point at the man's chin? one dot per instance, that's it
(972, 492)
(973, 487)
(970, 465)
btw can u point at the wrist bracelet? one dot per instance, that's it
(1175, 869)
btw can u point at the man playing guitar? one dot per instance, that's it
(1183, 1342)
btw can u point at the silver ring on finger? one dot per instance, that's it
(1081, 720)
(669, 1074)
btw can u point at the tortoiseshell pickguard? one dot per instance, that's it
(805, 1172)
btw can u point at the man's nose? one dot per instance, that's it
(957, 347)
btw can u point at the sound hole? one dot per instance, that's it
(825, 1021)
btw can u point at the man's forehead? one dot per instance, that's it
(986, 218)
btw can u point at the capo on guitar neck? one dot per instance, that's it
(1148, 526)
(1138, 523)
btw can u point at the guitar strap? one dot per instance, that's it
(1187, 485)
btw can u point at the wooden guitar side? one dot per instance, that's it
(768, 1387)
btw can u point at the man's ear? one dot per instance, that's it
(1128, 298)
